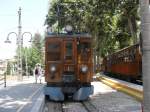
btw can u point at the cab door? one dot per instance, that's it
(69, 60)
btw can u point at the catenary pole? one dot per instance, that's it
(19, 46)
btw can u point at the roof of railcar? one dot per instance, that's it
(68, 35)
(137, 44)
(121, 50)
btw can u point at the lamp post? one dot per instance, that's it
(26, 65)
(19, 44)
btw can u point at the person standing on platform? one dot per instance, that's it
(41, 75)
(37, 72)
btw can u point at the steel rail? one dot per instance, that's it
(89, 106)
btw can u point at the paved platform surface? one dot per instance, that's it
(20, 96)
(107, 99)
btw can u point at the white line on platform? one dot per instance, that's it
(30, 97)
(39, 105)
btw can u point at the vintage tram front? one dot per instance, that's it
(68, 66)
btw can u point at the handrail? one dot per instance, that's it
(4, 78)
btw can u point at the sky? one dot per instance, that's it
(33, 15)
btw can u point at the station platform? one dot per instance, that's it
(21, 96)
(107, 99)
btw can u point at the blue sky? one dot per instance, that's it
(33, 17)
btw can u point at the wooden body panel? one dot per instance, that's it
(70, 56)
(57, 74)
(127, 69)
(85, 77)
(49, 62)
(85, 59)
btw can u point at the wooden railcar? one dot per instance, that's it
(126, 63)
(68, 66)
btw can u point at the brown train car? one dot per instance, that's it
(126, 63)
(68, 66)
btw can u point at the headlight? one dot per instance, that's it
(52, 69)
(68, 28)
(84, 69)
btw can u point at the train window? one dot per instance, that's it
(69, 48)
(53, 52)
(132, 57)
(132, 54)
(53, 47)
(84, 50)
(84, 47)
(127, 53)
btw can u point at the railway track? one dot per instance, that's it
(68, 106)
(90, 107)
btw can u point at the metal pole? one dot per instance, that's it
(145, 30)
(19, 46)
(94, 60)
(5, 74)
(26, 66)
(58, 18)
(5, 79)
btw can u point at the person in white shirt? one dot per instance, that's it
(37, 72)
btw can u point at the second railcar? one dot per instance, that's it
(126, 63)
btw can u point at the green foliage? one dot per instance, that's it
(112, 23)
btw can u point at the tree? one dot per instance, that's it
(112, 23)
(128, 19)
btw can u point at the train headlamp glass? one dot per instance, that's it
(68, 28)
(52, 69)
(49, 30)
(84, 69)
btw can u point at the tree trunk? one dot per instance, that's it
(94, 60)
(132, 26)
(131, 30)
(145, 29)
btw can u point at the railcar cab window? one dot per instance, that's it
(69, 49)
(84, 51)
(84, 48)
(54, 51)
